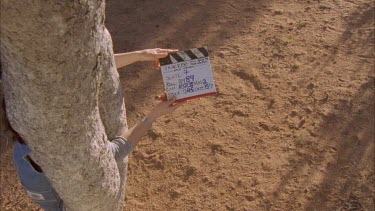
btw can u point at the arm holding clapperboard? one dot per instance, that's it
(123, 59)
(126, 141)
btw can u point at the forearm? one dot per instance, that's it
(123, 59)
(123, 145)
(135, 134)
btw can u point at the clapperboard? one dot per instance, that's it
(187, 74)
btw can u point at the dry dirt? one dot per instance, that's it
(292, 127)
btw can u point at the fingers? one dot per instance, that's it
(173, 106)
(171, 101)
(161, 53)
(176, 106)
(167, 106)
(157, 64)
(160, 50)
(163, 96)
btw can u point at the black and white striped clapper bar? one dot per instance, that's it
(186, 55)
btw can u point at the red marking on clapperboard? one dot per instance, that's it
(197, 96)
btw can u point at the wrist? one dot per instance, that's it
(152, 117)
(147, 122)
(139, 55)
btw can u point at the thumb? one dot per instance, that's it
(171, 101)
(161, 55)
(162, 97)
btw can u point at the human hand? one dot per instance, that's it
(163, 108)
(162, 97)
(154, 55)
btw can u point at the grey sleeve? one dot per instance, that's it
(120, 147)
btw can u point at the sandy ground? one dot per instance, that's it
(292, 127)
